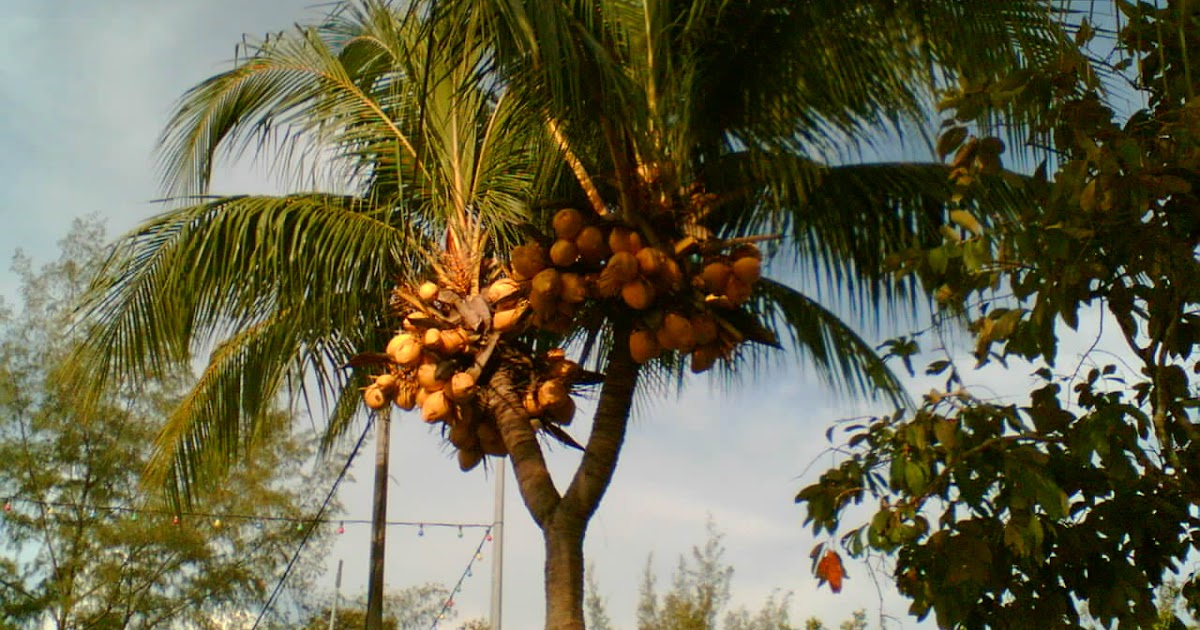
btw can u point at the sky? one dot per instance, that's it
(86, 87)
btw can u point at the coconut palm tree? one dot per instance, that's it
(507, 178)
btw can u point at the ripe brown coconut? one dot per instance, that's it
(574, 289)
(564, 252)
(490, 440)
(469, 458)
(705, 328)
(462, 435)
(704, 357)
(527, 260)
(592, 246)
(716, 276)
(678, 333)
(643, 346)
(638, 294)
(562, 413)
(651, 261)
(547, 283)
(552, 392)
(623, 239)
(387, 384)
(737, 291)
(748, 269)
(453, 340)
(567, 223)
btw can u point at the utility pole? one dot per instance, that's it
(498, 548)
(337, 594)
(378, 521)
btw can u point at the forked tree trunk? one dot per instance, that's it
(563, 518)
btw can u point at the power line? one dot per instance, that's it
(308, 532)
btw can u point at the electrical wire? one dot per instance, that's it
(308, 532)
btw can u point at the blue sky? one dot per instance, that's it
(85, 87)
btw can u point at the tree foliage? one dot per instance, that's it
(1005, 515)
(83, 546)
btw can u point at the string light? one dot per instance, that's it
(221, 518)
(341, 528)
(460, 532)
(446, 605)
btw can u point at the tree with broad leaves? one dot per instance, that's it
(450, 134)
(1084, 493)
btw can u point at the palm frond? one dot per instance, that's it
(190, 276)
(842, 358)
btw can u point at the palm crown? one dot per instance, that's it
(452, 132)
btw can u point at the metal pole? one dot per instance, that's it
(337, 594)
(378, 522)
(498, 548)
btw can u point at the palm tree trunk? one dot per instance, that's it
(563, 519)
(378, 522)
(564, 574)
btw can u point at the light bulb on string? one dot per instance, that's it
(468, 571)
(133, 516)
(175, 521)
(420, 530)
(488, 538)
(479, 556)
(341, 527)
(217, 523)
(8, 506)
(258, 524)
(460, 532)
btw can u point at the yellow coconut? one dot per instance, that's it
(422, 394)
(409, 354)
(716, 276)
(574, 289)
(528, 260)
(552, 392)
(705, 328)
(469, 458)
(564, 252)
(643, 346)
(748, 269)
(567, 223)
(428, 291)
(462, 386)
(544, 305)
(396, 348)
(490, 439)
(562, 413)
(704, 357)
(508, 319)
(387, 384)
(433, 339)
(427, 377)
(435, 408)
(678, 332)
(623, 239)
(453, 340)
(374, 397)
(638, 294)
(592, 245)
(671, 276)
(501, 290)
